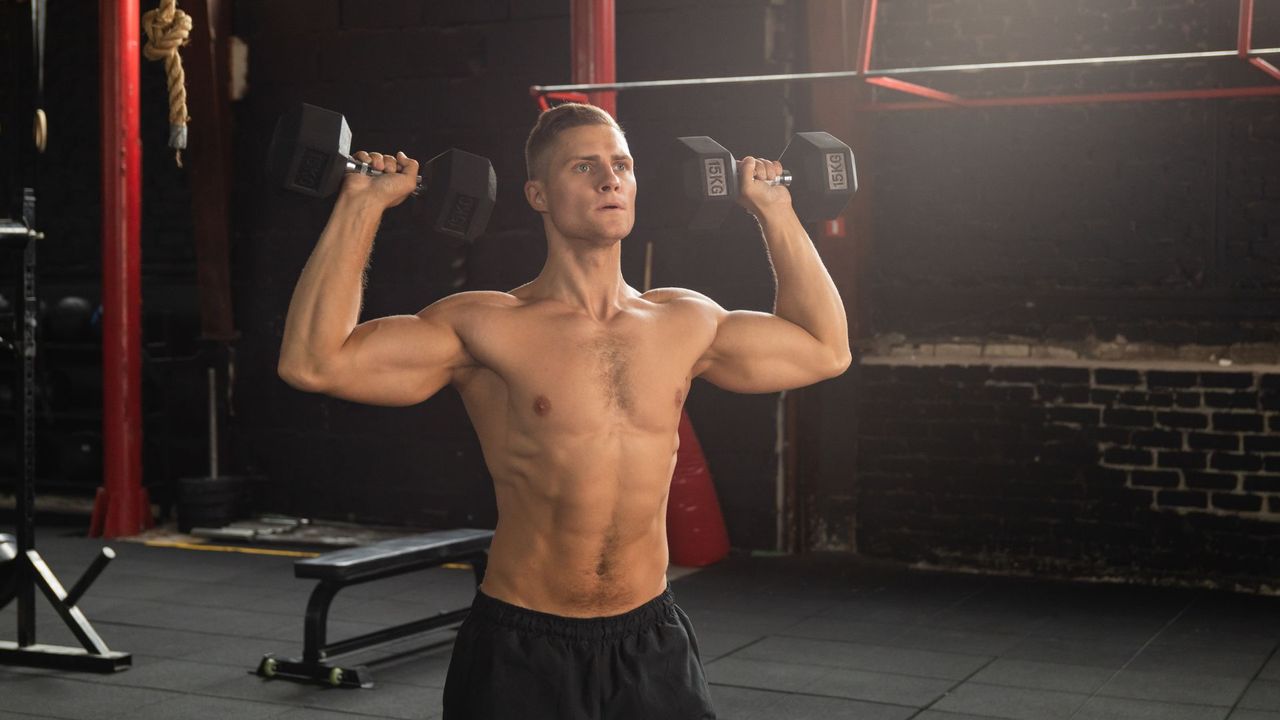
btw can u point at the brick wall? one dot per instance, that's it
(1079, 470)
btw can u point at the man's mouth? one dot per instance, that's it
(611, 206)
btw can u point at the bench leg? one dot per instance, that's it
(314, 636)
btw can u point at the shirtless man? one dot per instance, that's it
(575, 384)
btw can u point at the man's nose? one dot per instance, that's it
(611, 180)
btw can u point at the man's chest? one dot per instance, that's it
(567, 374)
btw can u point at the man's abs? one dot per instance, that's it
(578, 423)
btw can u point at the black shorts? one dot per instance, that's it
(512, 662)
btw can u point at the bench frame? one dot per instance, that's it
(318, 652)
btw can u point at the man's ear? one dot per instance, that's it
(536, 193)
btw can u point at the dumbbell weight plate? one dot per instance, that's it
(824, 177)
(707, 186)
(309, 150)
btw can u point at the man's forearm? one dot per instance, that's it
(326, 301)
(806, 294)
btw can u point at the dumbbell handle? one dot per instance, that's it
(784, 179)
(364, 169)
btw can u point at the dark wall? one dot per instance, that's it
(67, 180)
(423, 76)
(1156, 221)
(1071, 362)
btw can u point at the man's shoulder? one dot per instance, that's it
(677, 295)
(686, 303)
(469, 302)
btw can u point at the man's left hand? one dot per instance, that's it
(756, 194)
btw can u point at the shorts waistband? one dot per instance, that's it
(487, 607)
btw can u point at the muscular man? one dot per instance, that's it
(575, 383)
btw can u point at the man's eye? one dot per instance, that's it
(621, 167)
(583, 167)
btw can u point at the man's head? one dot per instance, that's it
(580, 174)
(543, 136)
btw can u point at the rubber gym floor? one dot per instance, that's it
(819, 636)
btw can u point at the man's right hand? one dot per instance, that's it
(398, 181)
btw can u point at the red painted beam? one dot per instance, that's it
(1046, 100)
(1245, 40)
(914, 89)
(121, 506)
(1265, 67)
(592, 37)
(867, 36)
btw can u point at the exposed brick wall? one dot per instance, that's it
(1083, 470)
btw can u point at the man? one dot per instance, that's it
(575, 384)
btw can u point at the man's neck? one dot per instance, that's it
(586, 278)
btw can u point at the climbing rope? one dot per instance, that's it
(168, 29)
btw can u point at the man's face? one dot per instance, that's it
(589, 186)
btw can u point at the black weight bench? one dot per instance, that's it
(352, 566)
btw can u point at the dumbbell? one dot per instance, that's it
(310, 152)
(819, 171)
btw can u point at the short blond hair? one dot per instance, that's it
(555, 121)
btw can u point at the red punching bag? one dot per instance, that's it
(696, 535)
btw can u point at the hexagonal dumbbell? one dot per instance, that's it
(310, 154)
(818, 169)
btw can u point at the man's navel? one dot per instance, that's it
(541, 406)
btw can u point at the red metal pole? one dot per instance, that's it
(868, 35)
(592, 37)
(121, 506)
(1246, 28)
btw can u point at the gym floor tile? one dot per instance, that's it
(1271, 671)
(837, 682)
(1001, 621)
(1119, 630)
(828, 628)
(197, 706)
(387, 700)
(814, 707)
(1199, 660)
(955, 641)
(896, 609)
(712, 645)
(1007, 702)
(1261, 695)
(1109, 708)
(58, 697)
(1043, 676)
(878, 658)
(739, 622)
(1179, 688)
(1073, 652)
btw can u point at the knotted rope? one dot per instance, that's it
(168, 29)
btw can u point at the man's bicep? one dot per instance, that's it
(755, 352)
(399, 359)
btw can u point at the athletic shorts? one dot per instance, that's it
(512, 662)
